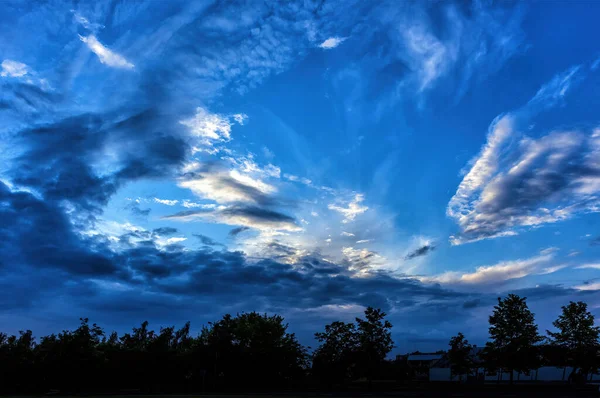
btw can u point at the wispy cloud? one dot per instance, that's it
(247, 216)
(589, 266)
(332, 42)
(536, 181)
(421, 251)
(105, 55)
(498, 273)
(83, 21)
(211, 128)
(12, 68)
(352, 209)
(168, 202)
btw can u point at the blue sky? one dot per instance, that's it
(176, 161)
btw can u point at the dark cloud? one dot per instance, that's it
(135, 209)
(421, 251)
(205, 240)
(164, 231)
(471, 303)
(238, 230)
(247, 216)
(38, 233)
(595, 241)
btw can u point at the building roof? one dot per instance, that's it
(424, 357)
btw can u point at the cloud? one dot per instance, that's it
(593, 286)
(421, 251)
(249, 216)
(363, 241)
(167, 202)
(214, 181)
(83, 21)
(238, 230)
(589, 266)
(105, 55)
(464, 43)
(344, 233)
(332, 42)
(595, 241)
(205, 240)
(352, 210)
(240, 118)
(135, 209)
(294, 178)
(498, 273)
(211, 128)
(164, 231)
(13, 68)
(519, 181)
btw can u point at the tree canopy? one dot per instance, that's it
(514, 336)
(577, 337)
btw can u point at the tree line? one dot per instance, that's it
(515, 344)
(255, 352)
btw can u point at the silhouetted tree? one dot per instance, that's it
(374, 340)
(459, 356)
(577, 338)
(514, 336)
(251, 349)
(335, 358)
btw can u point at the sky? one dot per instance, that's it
(175, 161)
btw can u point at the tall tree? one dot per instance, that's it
(514, 335)
(254, 348)
(577, 338)
(335, 358)
(459, 355)
(374, 339)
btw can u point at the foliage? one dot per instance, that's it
(349, 350)
(577, 338)
(252, 351)
(459, 355)
(514, 336)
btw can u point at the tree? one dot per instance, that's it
(459, 355)
(251, 348)
(514, 336)
(577, 338)
(374, 339)
(334, 359)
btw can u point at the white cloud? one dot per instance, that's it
(589, 286)
(332, 42)
(314, 214)
(240, 118)
(166, 201)
(589, 266)
(225, 186)
(193, 205)
(430, 57)
(362, 260)
(209, 127)
(497, 273)
(105, 55)
(83, 21)
(363, 241)
(352, 210)
(247, 165)
(517, 181)
(344, 233)
(13, 68)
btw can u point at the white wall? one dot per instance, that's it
(545, 373)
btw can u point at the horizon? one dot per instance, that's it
(176, 161)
